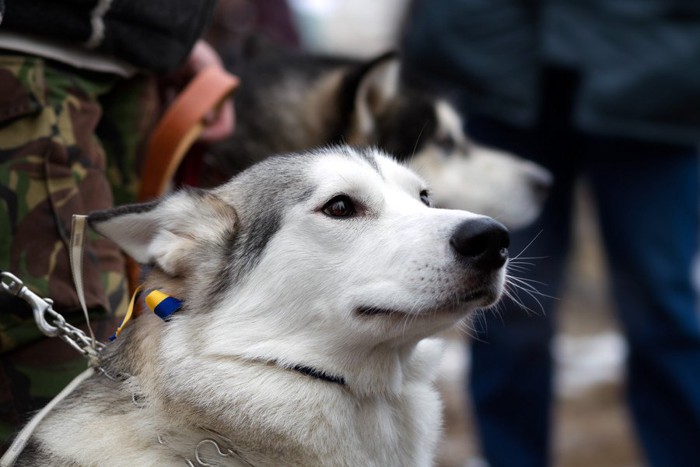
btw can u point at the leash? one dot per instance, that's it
(22, 438)
(77, 247)
(53, 324)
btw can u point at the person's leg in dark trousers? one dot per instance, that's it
(647, 196)
(511, 375)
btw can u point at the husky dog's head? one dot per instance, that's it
(326, 259)
(428, 133)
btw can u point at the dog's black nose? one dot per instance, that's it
(483, 241)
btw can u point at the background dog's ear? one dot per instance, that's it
(167, 232)
(377, 84)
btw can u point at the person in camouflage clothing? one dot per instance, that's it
(52, 165)
(71, 132)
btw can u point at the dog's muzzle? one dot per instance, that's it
(483, 242)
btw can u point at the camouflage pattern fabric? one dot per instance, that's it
(57, 127)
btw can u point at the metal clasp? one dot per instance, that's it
(14, 284)
(39, 306)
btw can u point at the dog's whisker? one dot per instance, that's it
(523, 261)
(532, 295)
(518, 282)
(472, 331)
(510, 272)
(527, 283)
(512, 295)
(466, 328)
(519, 258)
(528, 292)
(528, 245)
(517, 267)
(525, 280)
(464, 325)
(522, 306)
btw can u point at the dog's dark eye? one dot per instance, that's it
(339, 206)
(425, 197)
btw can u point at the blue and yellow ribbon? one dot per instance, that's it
(162, 304)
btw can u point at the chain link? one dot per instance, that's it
(49, 321)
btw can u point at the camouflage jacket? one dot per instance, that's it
(53, 165)
(69, 141)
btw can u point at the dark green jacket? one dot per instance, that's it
(638, 61)
(155, 35)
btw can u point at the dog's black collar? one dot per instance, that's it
(319, 374)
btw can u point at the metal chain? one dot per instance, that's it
(50, 322)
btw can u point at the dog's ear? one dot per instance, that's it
(377, 84)
(167, 232)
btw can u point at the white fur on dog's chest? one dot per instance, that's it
(278, 416)
(269, 422)
(401, 432)
(377, 431)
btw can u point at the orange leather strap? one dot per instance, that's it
(174, 134)
(180, 126)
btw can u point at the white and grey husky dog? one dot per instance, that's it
(293, 102)
(310, 288)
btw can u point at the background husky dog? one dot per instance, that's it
(309, 286)
(290, 102)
